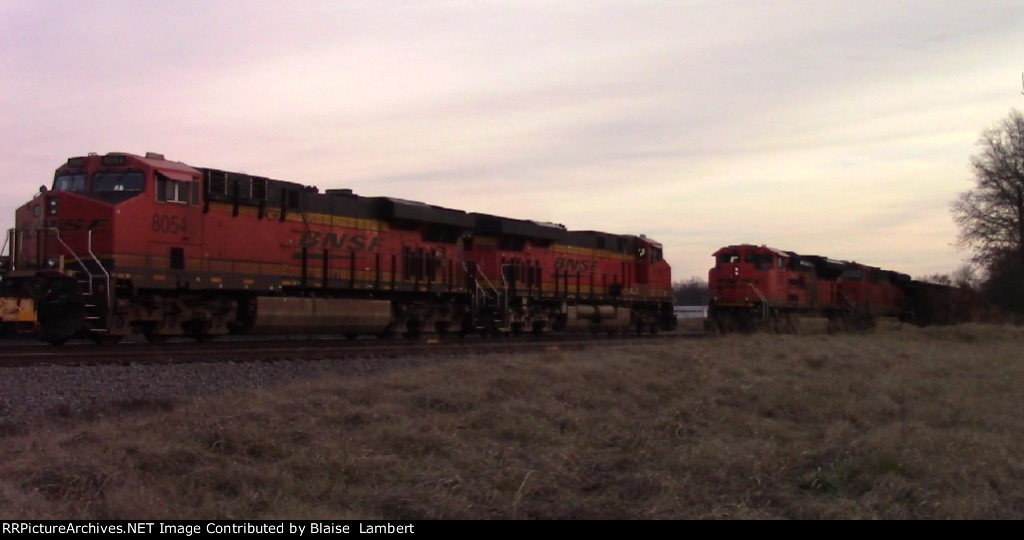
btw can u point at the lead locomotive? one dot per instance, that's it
(123, 244)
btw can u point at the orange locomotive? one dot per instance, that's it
(124, 244)
(753, 286)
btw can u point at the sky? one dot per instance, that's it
(839, 128)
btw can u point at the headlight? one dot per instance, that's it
(51, 206)
(52, 261)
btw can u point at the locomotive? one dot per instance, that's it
(761, 287)
(126, 244)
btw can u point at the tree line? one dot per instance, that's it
(693, 292)
(990, 217)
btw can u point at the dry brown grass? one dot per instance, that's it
(899, 424)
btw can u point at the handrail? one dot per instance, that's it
(849, 300)
(82, 264)
(764, 301)
(73, 254)
(504, 287)
(106, 274)
(7, 239)
(491, 289)
(489, 284)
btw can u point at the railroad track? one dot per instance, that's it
(31, 353)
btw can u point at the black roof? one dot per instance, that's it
(392, 209)
(602, 240)
(502, 226)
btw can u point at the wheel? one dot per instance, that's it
(204, 338)
(387, 333)
(156, 339)
(106, 340)
(412, 329)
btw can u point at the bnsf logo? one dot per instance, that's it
(575, 265)
(350, 242)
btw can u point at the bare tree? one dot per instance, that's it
(965, 276)
(690, 293)
(991, 215)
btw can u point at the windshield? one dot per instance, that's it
(759, 258)
(122, 181)
(69, 182)
(728, 258)
(852, 274)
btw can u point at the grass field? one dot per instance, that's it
(903, 423)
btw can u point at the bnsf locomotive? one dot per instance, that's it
(758, 286)
(124, 244)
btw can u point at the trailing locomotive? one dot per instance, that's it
(758, 286)
(124, 244)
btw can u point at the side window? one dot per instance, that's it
(168, 190)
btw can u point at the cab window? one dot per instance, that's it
(168, 190)
(761, 261)
(852, 274)
(114, 182)
(70, 182)
(728, 258)
(176, 191)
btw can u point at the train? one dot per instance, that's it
(760, 287)
(124, 244)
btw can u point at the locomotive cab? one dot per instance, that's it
(69, 227)
(654, 280)
(749, 276)
(63, 250)
(749, 283)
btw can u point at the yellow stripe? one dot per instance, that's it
(310, 217)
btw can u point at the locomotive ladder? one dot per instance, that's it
(849, 301)
(491, 301)
(764, 301)
(91, 308)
